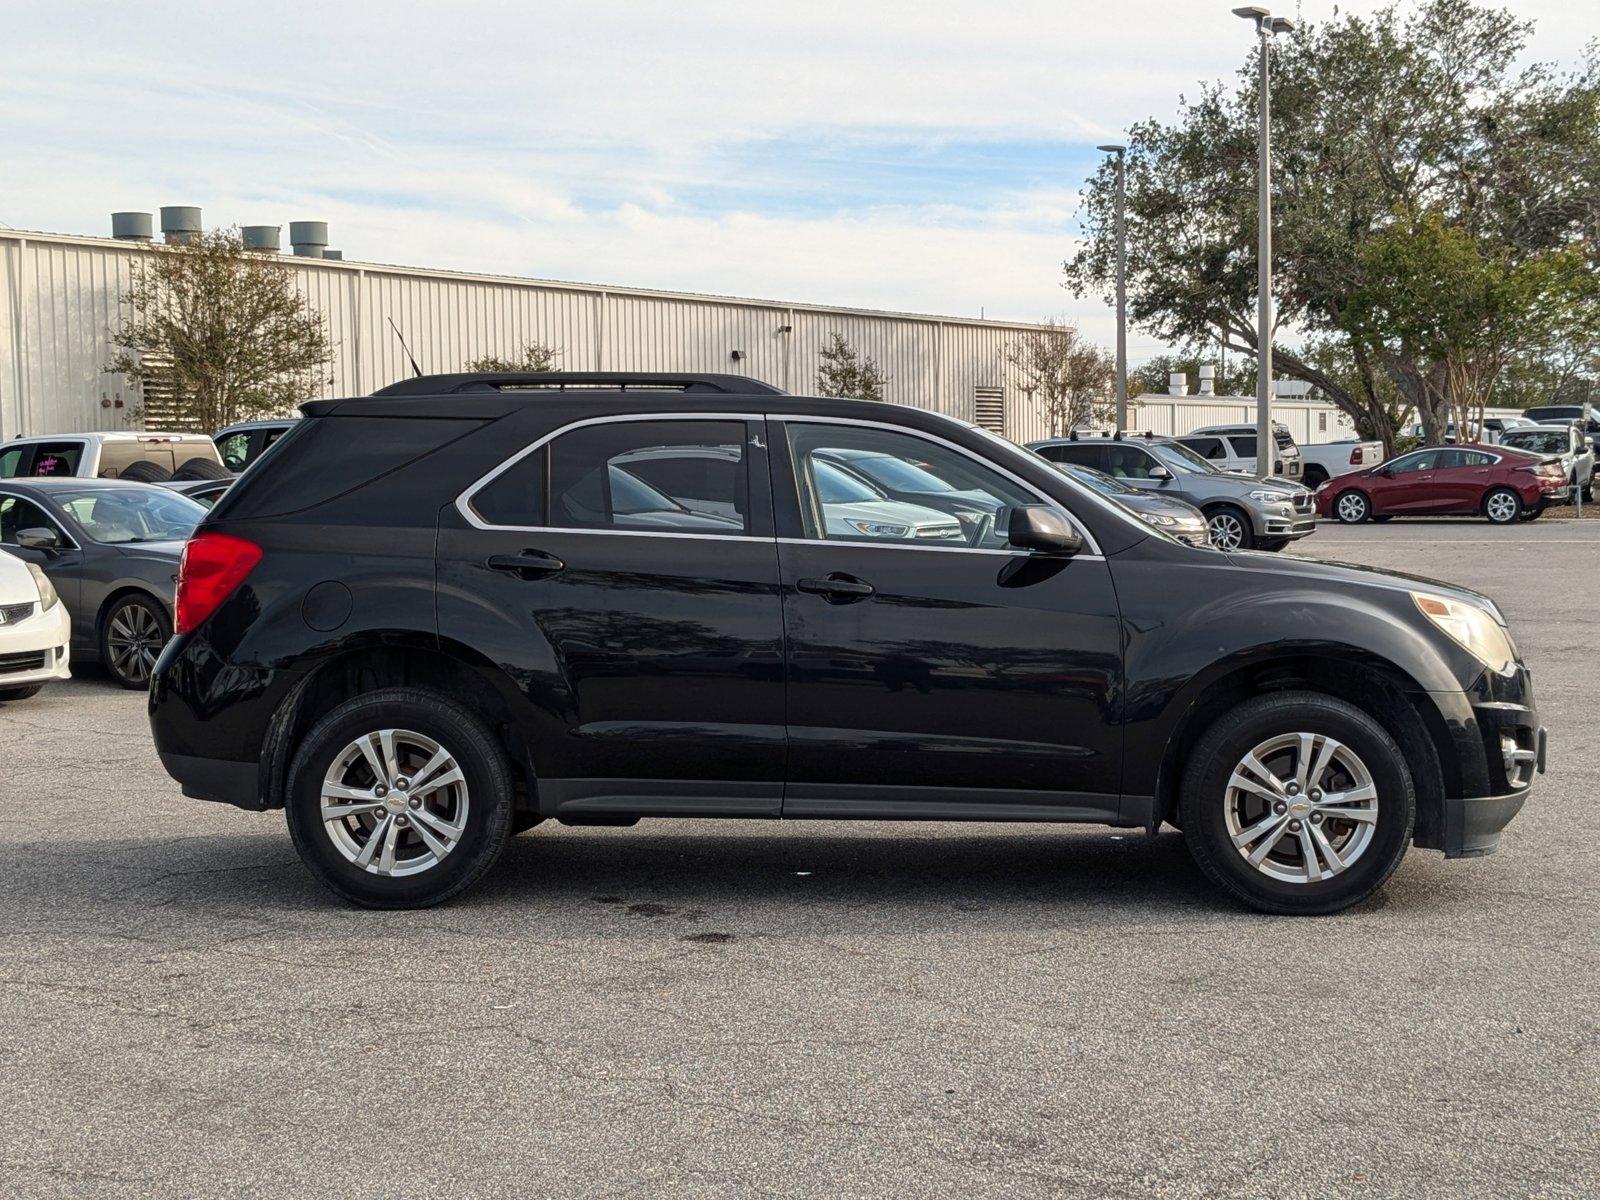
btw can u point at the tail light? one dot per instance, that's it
(213, 565)
(1356, 456)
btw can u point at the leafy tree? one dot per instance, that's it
(225, 328)
(843, 372)
(1377, 122)
(1071, 377)
(534, 356)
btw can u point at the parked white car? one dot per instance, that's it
(1329, 460)
(35, 630)
(138, 457)
(1577, 455)
(1233, 448)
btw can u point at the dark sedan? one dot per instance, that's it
(111, 549)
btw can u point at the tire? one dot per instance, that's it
(476, 809)
(1352, 507)
(1502, 506)
(145, 472)
(20, 693)
(1229, 528)
(132, 633)
(1534, 513)
(201, 468)
(1314, 478)
(1380, 518)
(1272, 545)
(1216, 812)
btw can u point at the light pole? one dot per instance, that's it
(1266, 445)
(1122, 284)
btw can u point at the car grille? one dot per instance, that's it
(12, 614)
(1303, 502)
(11, 664)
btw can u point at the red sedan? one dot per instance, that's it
(1497, 482)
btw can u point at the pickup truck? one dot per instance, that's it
(1327, 460)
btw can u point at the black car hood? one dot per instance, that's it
(1316, 571)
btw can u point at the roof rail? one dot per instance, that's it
(496, 381)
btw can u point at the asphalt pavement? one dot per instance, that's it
(809, 1009)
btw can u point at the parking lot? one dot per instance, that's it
(736, 1008)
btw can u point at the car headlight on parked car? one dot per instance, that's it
(1474, 629)
(1158, 519)
(48, 597)
(1264, 496)
(880, 529)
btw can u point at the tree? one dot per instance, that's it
(1509, 155)
(1073, 378)
(534, 356)
(843, 372)
(224, 328)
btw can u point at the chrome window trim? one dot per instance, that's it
(1083, 530)
(470, 515)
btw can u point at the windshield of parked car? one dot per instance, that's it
(838, 486)
(1180, 458)
(897, 475)
(1540, 441)
(631, 496)
(122, 516)
(1098, 480)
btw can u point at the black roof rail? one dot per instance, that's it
(497, 381)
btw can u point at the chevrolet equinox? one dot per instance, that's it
(432, 617)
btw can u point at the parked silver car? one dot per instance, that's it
(1242, 512)
(1176, 517)
(1564, 441)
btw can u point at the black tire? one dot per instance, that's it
(1203, 803)
(1231, 525)
(1272, 545)
(1504, 501)
(1351, 507)
(201, 468)
(1380, 518)
(134, 621)
(145, 472)
(1534, 513)
(488, 792)
(20, 693)
(1314, 478)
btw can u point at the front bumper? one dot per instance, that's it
(1472, 824)
(1278, 523)
(1499, 746)
(37, 649)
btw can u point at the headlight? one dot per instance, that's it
(1158, 519)
(879, 528)
(1472, 628)
(48, 598)
(1266, 497)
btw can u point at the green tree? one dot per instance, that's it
(224, 328)
(534, 356)
(1376, 120)
(1071, 377)
(843, 372)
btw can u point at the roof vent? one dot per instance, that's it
(1178, 384)
(1208, 380)
(268, 239)
(309, 238)
(180, 224)
(338, 254)
(133, 226)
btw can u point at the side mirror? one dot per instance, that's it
(43, 539)
(1042, 529)
(1161, 474)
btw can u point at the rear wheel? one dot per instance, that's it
(1502, 506)
(1297, 803)
(1229, 528)
(1352, 507)
(131, 637)
(399, 799)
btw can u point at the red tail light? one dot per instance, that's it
(213, 565)
(1355, 457)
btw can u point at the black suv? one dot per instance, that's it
(596, 598)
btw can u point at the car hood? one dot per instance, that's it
(1163, 505)
(161, 552)
(1317, 572)
(1271, 485)
(914, 515)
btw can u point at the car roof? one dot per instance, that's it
(114, 435)
(71, 483)
(244, 426)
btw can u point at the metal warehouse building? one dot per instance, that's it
(60, 296)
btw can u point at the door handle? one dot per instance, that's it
(837, 588)
(529, 564)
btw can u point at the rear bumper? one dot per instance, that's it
(217, 779)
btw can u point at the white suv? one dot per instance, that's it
(35, 631)
(140, 457)
(1233, 448)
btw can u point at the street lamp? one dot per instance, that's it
(1122, 285)
(1266, 446)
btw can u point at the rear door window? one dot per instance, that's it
(56, 458)
(1079, 453)
(1206, 447)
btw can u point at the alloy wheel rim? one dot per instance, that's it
(1351, 507)
(1301, 808)
(1226, 532)
(394, 802)
(134, 639)
(1502, 507)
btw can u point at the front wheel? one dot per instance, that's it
(1229, 529)
(131, 637)
(1502, 506)
(1352, 508)
(1297, 803)
(399, 799)
(20, 693)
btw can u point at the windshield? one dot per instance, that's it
(898, 475)
(631, 496)
(1540, 442)
(1180, 458)
(837, 486)
(1098, 480)
(123, 516)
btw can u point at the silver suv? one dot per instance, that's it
(1242, 512)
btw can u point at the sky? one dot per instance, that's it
(922, 157)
